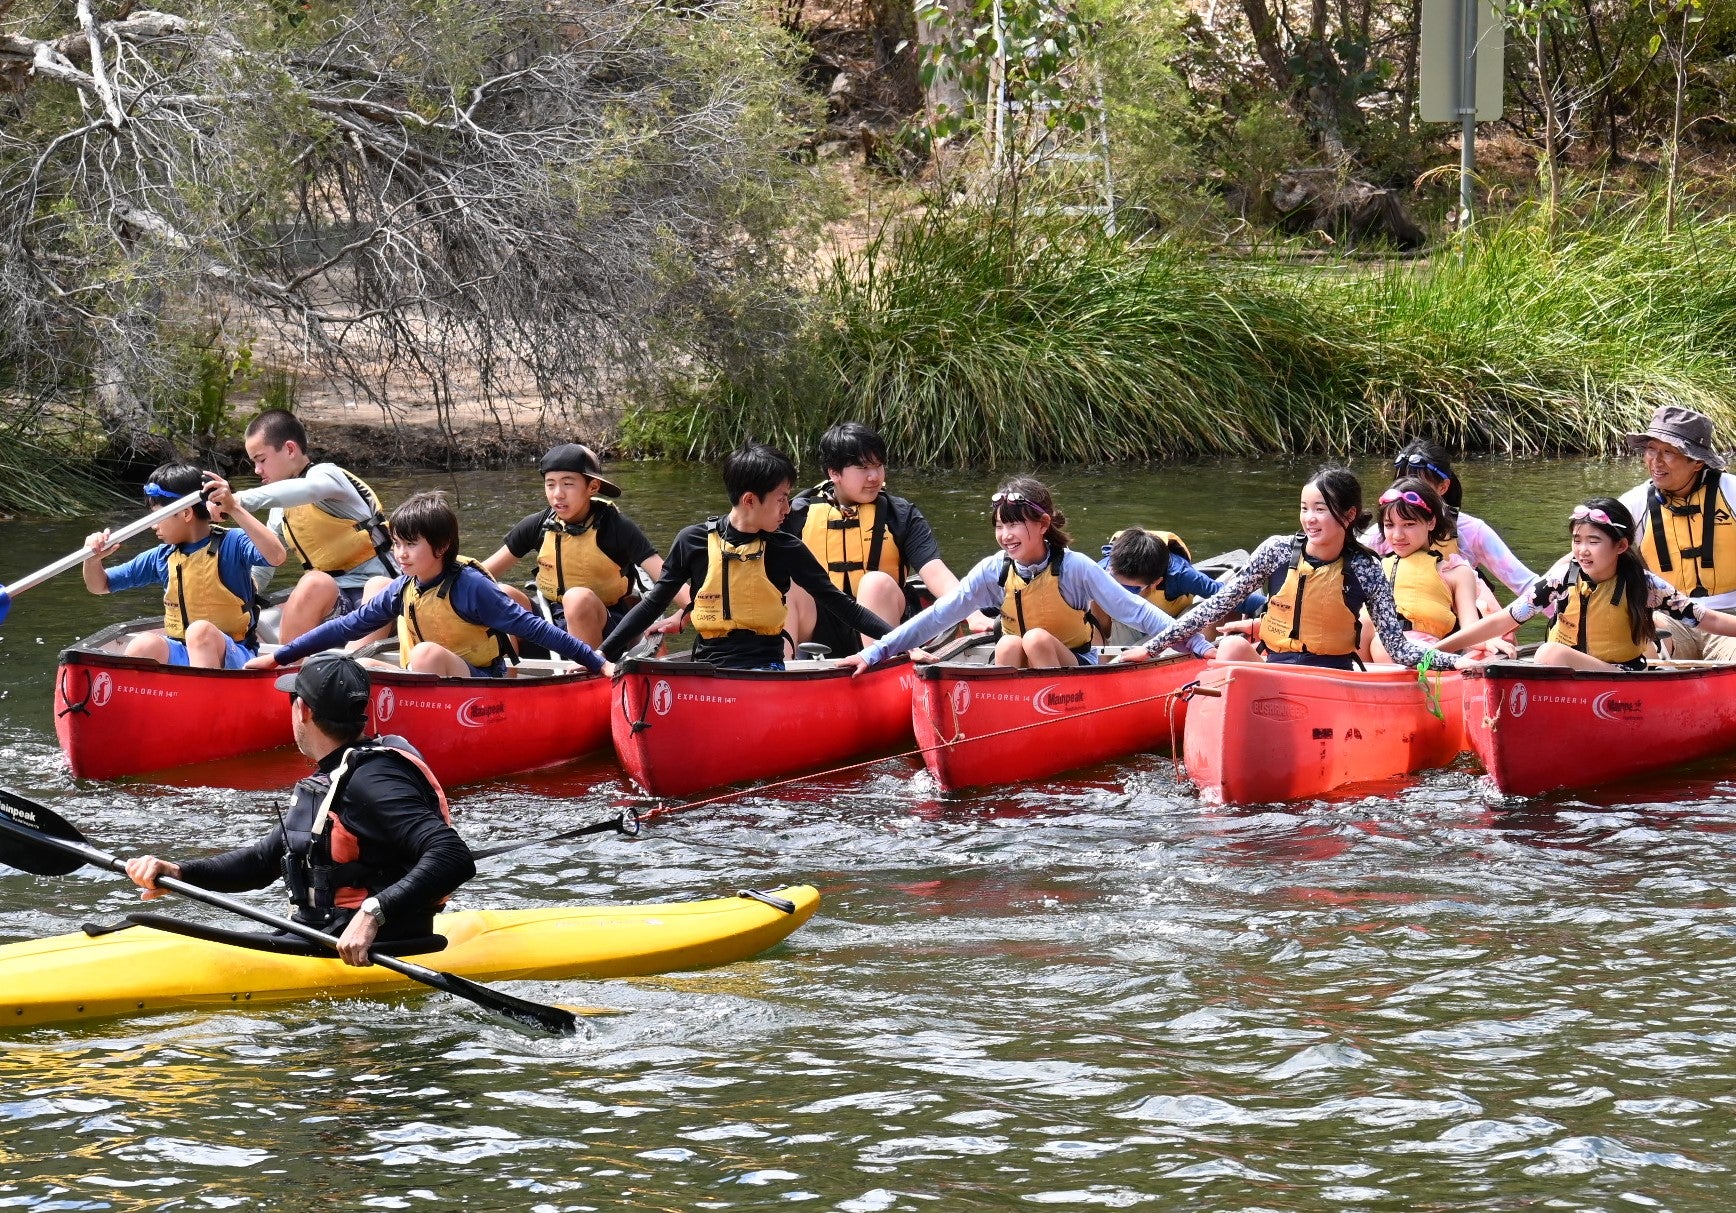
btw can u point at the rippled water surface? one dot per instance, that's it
(1090, 994)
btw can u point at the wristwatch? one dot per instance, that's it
(371, 907)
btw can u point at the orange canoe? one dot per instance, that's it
(1258, 733)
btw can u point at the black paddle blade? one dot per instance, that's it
(25, 828)
(541, 1017)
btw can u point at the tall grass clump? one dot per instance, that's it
(973, 337)
(977, 337)
(1522, 340)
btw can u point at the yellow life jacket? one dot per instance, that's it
(849, 540)
(736, 595)
(1037, 603)
(195, 590)
(570, 558)
(428, 614)
(1669, 547)
(1327, 627)
(332, 544)
(1423, 598)
(1594, 619)
(1155, 594)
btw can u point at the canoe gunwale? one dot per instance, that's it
(964, 671)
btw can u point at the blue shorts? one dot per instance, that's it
(1086, 655)
(349, 598)
(497, 669)
(235, 654)
(1342, 661)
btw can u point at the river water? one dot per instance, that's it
(1089, 994)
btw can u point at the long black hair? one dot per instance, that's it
(1342, 492)
(1630, 569)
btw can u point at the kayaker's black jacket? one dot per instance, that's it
(394, 815)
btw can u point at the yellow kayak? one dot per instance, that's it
(141, 969)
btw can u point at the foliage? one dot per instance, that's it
(451, 197)
(970, 337)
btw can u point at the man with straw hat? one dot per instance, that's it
(1684, 526)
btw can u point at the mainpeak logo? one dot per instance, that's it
(1052, 701)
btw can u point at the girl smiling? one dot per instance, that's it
(1601, 598)
(1042, 588)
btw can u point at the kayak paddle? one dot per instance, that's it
(36, 839)
(31, 580)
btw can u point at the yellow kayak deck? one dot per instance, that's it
(141, 970)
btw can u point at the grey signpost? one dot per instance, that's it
(1462, 47)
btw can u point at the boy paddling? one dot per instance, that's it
(588, 552)
(328, 517)
(210, 613)
(866, 539)
(739, 568)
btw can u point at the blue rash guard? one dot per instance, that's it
(473, 596)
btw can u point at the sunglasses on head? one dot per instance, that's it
(1420, 461)
(1416, 499)
(1585, 513)
(1007, 497)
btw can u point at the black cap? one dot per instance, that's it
(335, 688)
(571, 457)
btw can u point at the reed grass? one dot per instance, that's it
(972, 338)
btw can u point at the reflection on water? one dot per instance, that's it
(1089, 994)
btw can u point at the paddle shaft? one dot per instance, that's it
(31, 580)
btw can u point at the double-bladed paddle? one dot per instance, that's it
(31, 580)
(36, 839)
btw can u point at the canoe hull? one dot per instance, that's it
(1540, 729)
(983, 725)
(1259, 733)
(142, 971)
(117, 715)
(475, 729)
(681, 727)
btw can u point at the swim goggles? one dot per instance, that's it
(1585, 513)
(157, 492)
(1416, 499)
(1420, 461)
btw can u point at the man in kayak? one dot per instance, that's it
(866, 539)
(210, 613)
(1685, 528)
(328, 518)
(367, 845)
(589, 554)
(739, 568)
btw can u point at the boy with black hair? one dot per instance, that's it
(867, 540)
(328, 517)
(739, 569)
(588, 552)
(1156, 566)
(453, 619)
(210, 611)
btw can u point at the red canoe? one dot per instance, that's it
(118, 715)
(979, 724)
(1258, 733)
(475, 729)
(1542, 728)
(683, 726)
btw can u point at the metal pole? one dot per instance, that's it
(1468, 22)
